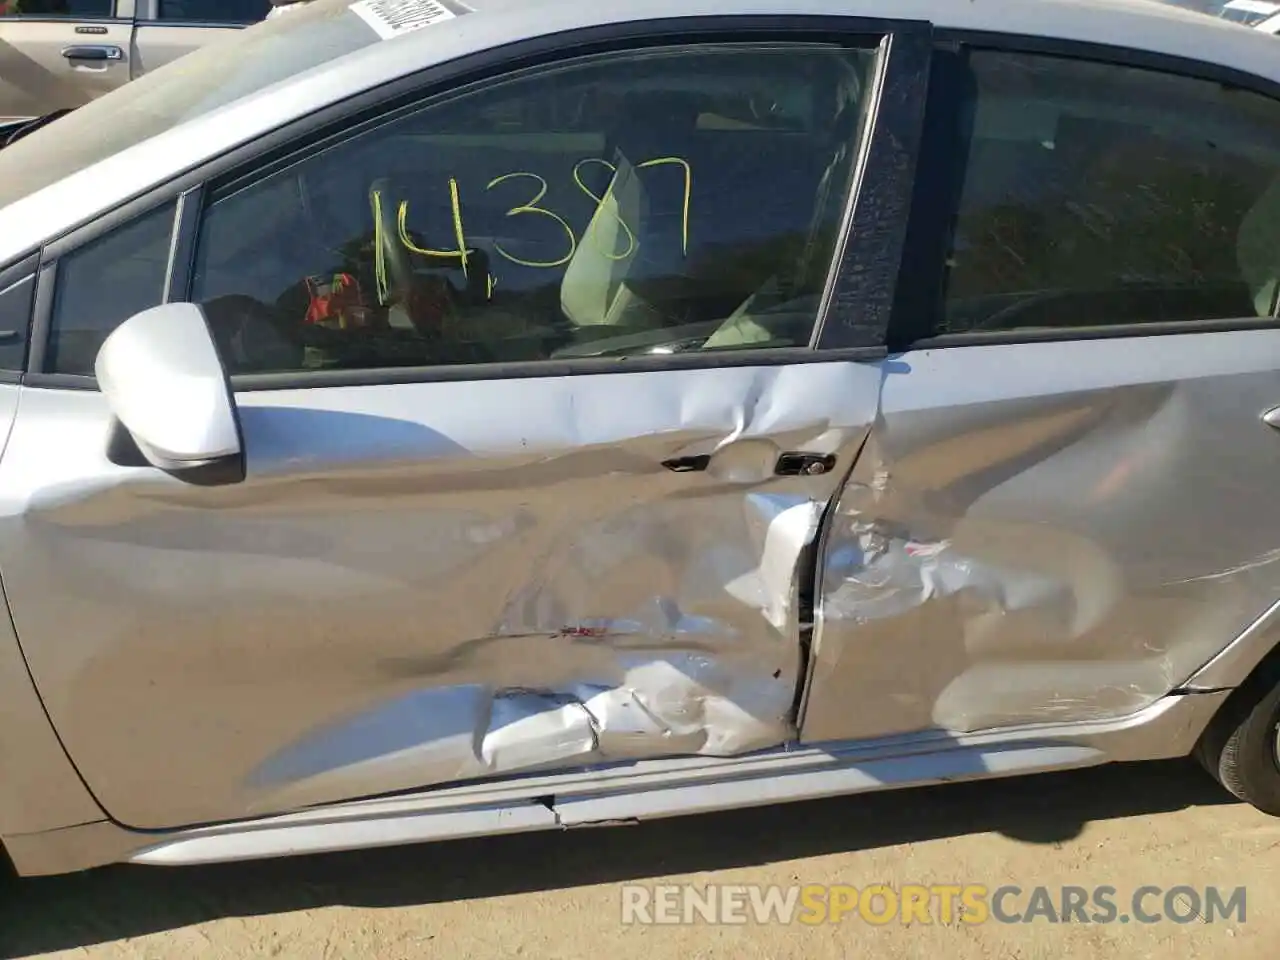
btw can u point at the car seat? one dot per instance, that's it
(782, 310)
(1144, 232)
(1258, 251)
(626, 231)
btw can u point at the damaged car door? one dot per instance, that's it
(537, 423)
(1063, 511)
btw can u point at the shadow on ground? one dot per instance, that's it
(40, 915)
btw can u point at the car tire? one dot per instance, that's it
(1241, 747)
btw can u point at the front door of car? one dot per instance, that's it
(539, 421)
(1066, 506)
(60, 55)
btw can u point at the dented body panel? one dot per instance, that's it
(428, 583)
(39, 789)
(1050, 532)
(450, 607)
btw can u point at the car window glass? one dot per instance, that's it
(1248, 12)
(102, 284)
(650, 203)
(1097, 194)
(214, 11)
(56, 8)
(15, 322)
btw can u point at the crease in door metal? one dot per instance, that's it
(578, 669)
(1059, 532)
(416, 585)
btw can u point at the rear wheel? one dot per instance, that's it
(1241, 748)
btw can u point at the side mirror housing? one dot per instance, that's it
(168, 389)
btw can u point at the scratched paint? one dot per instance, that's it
(423, 583)
(1045, 533)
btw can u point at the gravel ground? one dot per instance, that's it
(559, 896)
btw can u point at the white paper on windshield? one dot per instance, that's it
(391, 18)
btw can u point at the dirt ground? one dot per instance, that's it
(558, 895)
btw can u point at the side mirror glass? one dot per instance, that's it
(165, 383)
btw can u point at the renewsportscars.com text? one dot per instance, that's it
(972, 904)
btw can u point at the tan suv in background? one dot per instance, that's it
(58, 54)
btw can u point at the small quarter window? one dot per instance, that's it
(104, 283)
(15, 322)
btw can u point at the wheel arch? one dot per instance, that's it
(40, 789)
(1253, 653)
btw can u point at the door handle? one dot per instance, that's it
(1272, 418)
(788, 465)
(92, 52)
(804, 464)
(687, 464)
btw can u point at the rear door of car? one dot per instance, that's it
(59, 55)
(649, 275)
(169, 29)
(1068, 503)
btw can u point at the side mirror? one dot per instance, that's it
(166, 385)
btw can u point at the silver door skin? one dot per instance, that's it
(423, 583)
(1047, 532)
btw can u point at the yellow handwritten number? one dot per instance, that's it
(532, 208)
(688, 191)
(458, 232)
(379, 251)
(602, 200)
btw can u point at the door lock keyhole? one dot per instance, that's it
(804, 464)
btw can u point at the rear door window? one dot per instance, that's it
(1097, 194)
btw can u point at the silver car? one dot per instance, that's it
(423, 420)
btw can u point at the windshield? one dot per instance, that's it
(198, 83)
